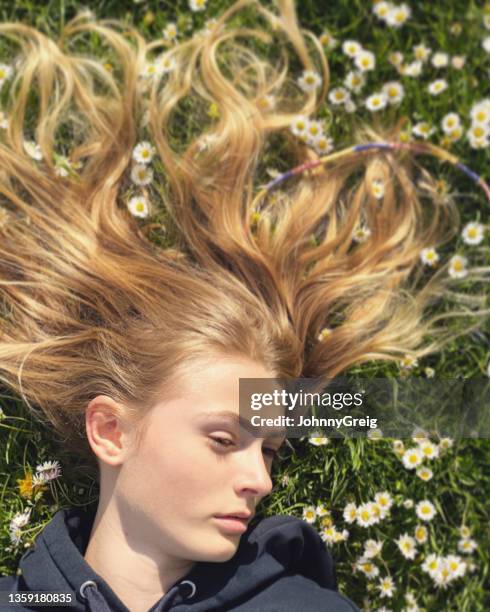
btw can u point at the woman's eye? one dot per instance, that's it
(226, 442)
(222, 442)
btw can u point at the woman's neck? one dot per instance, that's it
(136, 571)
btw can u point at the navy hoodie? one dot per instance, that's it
(281, 565)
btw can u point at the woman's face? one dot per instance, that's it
(193, 464)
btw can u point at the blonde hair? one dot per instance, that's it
(90, 305)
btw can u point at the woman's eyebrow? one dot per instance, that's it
(235, 419)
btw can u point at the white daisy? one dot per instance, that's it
(456, 566)
(351, 48)
(437, 87)
(339, 95)
(318, 440)
(197, 5)
(139, 206)
(20, 520)
(6, 72)
(350, 513)
(421, 534)
(361, 233)
(429, 256)
(425, 510)
(309, 514)
(408, 504)
(449, 122)
(456, 134)
(386, 587)
(141, 174)
(314, 129)
(398, 15)
(365, 516)
(376, 102)
(381, 9)
(375, 434)
(165, 63)
(355, 81)
(324, 333)
(49, 470)
(440, 59)
(420, 435)
(321, 510)
(365, 60)
(423, 129)
(372, 548)
(467, 546)
(429, 450)
(412, 458)
(408, 362)
(414, 69)
(328, 534)
(33, 150)
(445, 443)
(407, 546)
(143, 152)
(299, 125)
(457, 266)
(473, 233)
(398, 447)
(480, 113)
(395, 58)
(478, 130)
(394, 92)
(479, 143)
(170, 31)
(266, 102)
(367, 567)
(328, 40)
(323, 144)
(378, 188)
(485, 43)
(421, 52)
(424, 473)
(149, 70)
(310, 80)
(15, 536)
(458, 62)
(432, 564)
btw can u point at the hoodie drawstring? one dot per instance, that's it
(95, 600)
(97, 603)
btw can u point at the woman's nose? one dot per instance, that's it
(254, 473)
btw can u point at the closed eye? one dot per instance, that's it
(226, 442)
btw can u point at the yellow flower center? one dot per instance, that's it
(140, 207)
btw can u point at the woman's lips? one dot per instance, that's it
(231, 524)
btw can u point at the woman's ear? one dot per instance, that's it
(107, 433)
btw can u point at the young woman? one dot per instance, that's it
(132, 349)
